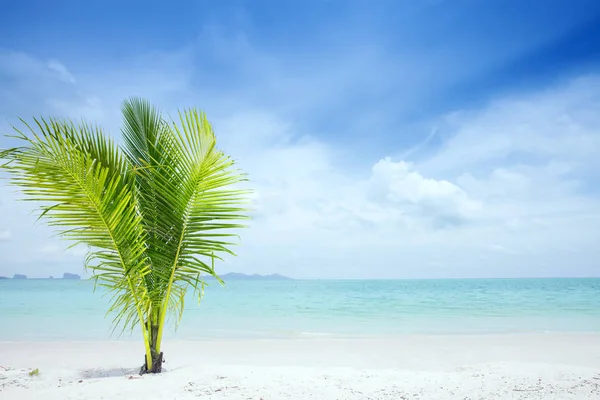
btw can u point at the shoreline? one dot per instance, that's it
(307, 336)
(534, 366)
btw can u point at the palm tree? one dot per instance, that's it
(154, 212)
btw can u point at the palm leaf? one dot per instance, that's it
(87, 192)
(181, 180)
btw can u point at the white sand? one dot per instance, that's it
(410, 367)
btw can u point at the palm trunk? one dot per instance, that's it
(155, 355)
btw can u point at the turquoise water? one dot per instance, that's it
(54, 310)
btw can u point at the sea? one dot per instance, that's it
(68, 310)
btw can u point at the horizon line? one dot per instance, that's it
(85, 278)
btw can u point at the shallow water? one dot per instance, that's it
(55, 310)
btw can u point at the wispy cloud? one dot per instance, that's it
(5, 235)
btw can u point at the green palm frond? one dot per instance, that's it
(4, 153)
(182, 180)
(5, 156)
(88, 194)
(88, 191)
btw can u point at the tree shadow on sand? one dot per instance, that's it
(96, 373)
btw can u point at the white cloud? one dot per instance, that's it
(5, 235)
(557, 126)
(508, 193)
(399, 186)
(51, 249)
(61, 71)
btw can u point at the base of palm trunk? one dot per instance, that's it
(156, 365)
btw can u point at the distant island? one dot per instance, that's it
(66, 275)
(230, 276)
(236, 276)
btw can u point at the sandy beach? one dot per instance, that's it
(536, 366)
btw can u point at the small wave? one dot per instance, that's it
(318, 334)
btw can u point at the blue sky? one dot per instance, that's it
(449, 138)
